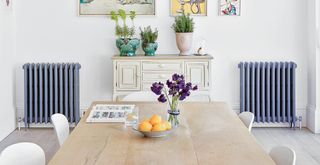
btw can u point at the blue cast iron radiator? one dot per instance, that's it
(267, 89)
(50, 89)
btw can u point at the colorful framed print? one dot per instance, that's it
(192, 7)
(230, 7)
(104, 7)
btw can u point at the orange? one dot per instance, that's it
(167, 124)
(159, 127)
(155, 119)
(145, 126)
(145, 120)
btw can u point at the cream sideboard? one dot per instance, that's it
(131, 74)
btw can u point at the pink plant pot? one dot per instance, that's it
(184, 43)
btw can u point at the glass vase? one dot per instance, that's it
(173, 118)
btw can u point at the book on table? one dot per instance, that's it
(109, 113)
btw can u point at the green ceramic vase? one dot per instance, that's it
(150, 48)
(128, 47)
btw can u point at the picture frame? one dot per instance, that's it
(229, 7)
(194, 8)
(99, 7)
(6, 6)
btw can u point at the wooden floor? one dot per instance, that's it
(306, 144)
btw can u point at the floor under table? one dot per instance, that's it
(305, 143)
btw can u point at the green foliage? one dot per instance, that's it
(122, 15)
(123, 31)
(183, 24)
(132, 15)
(148, 36)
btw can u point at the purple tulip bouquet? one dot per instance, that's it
(177, 90)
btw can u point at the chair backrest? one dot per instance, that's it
(141, 96)
(23, 153)
(247, 118)
(61, 127)
(283, 155)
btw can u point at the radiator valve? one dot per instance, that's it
(300, 122)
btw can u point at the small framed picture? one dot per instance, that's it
(6, 6)
(104, 7)
(194, 7)
(230, 7)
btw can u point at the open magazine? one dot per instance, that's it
(109, 113)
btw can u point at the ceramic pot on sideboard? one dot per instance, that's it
(150, 48)
(184, 43)
(128, 46)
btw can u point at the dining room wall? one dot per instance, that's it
(313, 112)
(7, 99)
(273, 30)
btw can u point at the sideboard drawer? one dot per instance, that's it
(162, 66)
(157, 76)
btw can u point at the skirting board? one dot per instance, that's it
(300, 112)
(313, 118)
(20, 115)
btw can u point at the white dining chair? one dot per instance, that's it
(283, 155)
(23, 153)
(247, 119)
(61, 127)
(141, 96)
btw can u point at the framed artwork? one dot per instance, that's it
(104, 7)
(192, 7)
(230, 7)
(6, 5)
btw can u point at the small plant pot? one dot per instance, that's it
(128, 47)
(184, 43)
(150, 48)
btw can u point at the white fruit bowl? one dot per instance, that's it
(155, 134)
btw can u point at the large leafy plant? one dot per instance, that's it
(148, 35)
(123, 30)
(183, 24)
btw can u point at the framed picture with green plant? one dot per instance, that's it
(149, 38)
(125, 42)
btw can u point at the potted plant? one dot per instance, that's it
(149, 37)
(177, 90)
(184, 26)
(126, 44)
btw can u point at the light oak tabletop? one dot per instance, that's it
(209, 133)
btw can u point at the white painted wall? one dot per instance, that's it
(313, 112)
(7, 110)
(270, 30)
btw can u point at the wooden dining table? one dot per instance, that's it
(209, 133)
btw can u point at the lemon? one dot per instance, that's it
(145, 126)
(167, 124)
(155, 119)
(159, 127)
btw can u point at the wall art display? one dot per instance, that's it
(109, 113)
(104, 7)
(230, 7)
(6, 6)
(192, 7)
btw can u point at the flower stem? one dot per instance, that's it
(165, 92)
